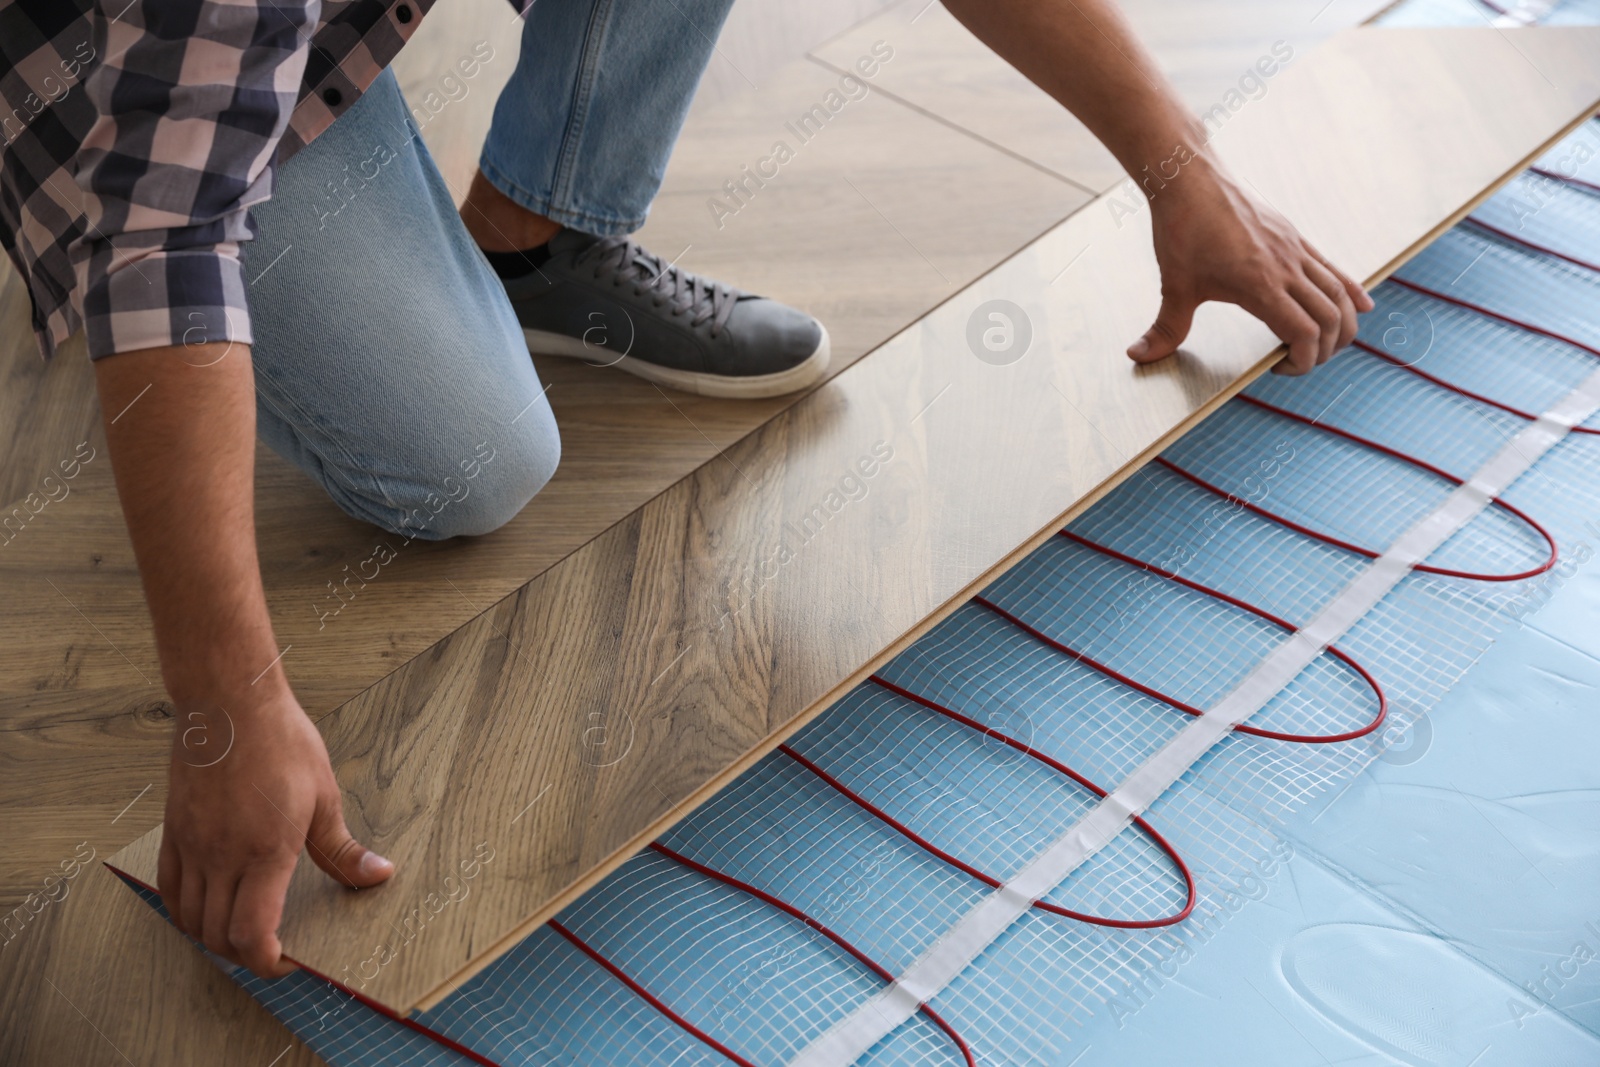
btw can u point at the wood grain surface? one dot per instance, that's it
(575, 719)
(85, 723)
(81, 675)
(96, 979)
(1205, 50)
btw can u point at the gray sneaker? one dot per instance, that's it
(609, 302)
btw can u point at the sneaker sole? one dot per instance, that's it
(802, 374)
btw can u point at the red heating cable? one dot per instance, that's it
(838, 939)
(1489, 313)
(1329, 539)
(644, 994)
(988, 879)
(1105, 669)
(1189, 709)
(1452, 387)
(1062, 768)
(1046, 759)
(1534, 245)
(1566, 178)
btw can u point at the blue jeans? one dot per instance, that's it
(389, 365)
(583, 130)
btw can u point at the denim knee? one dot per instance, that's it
(474, 490)
(390, 366)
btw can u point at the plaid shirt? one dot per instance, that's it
(136, 136)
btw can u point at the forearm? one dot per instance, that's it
(180, 426)
(1087, 57)
(1213, 240)
(191, 99)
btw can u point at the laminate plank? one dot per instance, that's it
(761, 35)
(97, 979)
(85, 721)
(1205, 48)
(577, 718)
(75, 625)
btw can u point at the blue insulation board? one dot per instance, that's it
(1426, 894)
(1478, 13)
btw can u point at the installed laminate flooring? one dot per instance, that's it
(1204, 49)
(761, 35)
(580, 716)
(875, 219)
(89, 981)
(84, 722)
(453, 110)
(81, 674)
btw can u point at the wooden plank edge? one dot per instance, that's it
(974, 135)
(706, 791)
(1382, 11)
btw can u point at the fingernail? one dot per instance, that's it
(1139, 348)
(373, 865)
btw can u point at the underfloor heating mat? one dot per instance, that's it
(1392, 857)
(1504, 13)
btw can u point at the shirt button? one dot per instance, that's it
(403, 13)
(332, 97)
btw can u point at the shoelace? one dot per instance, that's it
(687, 293)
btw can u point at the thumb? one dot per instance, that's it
(1171, 327)
(339, 854)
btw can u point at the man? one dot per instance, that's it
(379, 341)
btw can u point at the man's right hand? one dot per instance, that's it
(1214, 241)
(250, 784)
(250, 787)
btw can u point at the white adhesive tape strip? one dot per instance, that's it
(943, 961)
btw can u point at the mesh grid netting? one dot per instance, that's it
(734, 969)
(1484, 12)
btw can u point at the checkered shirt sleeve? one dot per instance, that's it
(135, 135)
(191, 98)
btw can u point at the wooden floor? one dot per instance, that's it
(575, 720)
(871, 225)
(85, 726)
(1201, 47)
(79, 650)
